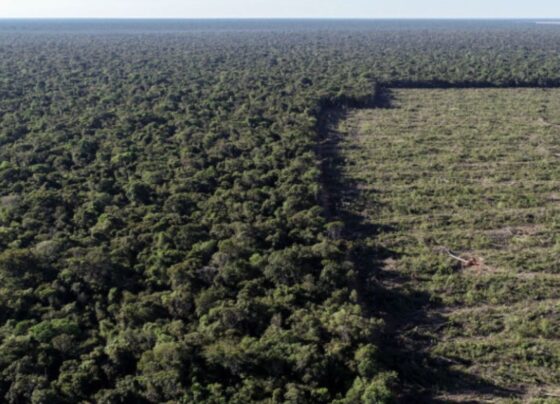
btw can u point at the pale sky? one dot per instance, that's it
(279, 8)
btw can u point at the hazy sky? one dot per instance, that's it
(282, 8)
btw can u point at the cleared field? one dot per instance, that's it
(459, 192)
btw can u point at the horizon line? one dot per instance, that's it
(540, 19)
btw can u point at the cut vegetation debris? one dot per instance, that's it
(462, 186)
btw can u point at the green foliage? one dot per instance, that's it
(163, 229)
(371, 391)
(469, 171)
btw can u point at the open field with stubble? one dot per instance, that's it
(458, 192)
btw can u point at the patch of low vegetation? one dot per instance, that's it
(462, 186)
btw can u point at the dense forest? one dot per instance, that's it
(165, 230)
